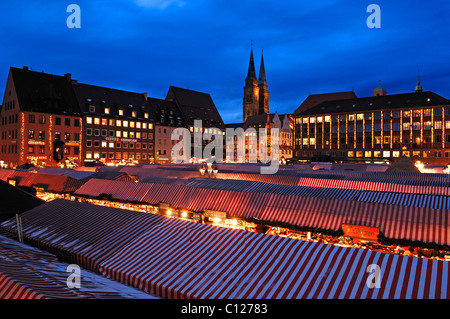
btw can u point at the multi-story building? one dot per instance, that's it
(40, 120)
(118, 126)
(380, 128)
(50, 120)
(198, 106)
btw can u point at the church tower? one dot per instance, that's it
(251, 91)
(263, 89)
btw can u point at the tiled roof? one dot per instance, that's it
(394, 101)
(196, 105)
(42, 92)
(315, 99)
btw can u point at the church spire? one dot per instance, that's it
(418, 86)
(262, 71)
(251, 75)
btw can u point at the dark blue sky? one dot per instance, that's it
(310, 47)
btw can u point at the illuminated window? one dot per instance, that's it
(121, 112)
(111, 145)
(368, 154)
(131, 134)
(386, 153)
(88, 154)
(305, 120)
(138, 124)
(96, 155)
(350, 154)
(387, 139)
(118, 123)
(360, 116)
(359, 153)
(438, 125)
(351, 117)
(319, 119)
(118, 133)
(104, 122)
(125, 134)
(312, 141)
(416, 126)
(406, 126)
(96, 121)
(144, 126)
(312, 120)
(416, 113)
(104, 144)
(133, 113)
(406, 113)
(427, 112)
(106, 110)
(131, 124)
(150, 126)
(88, 120)
(146, 115)
(125, 123)
(305, 141)
(376, 153)
(427, 125)
(138, 134)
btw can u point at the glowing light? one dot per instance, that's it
(184, 214)
(169, 212)
(217, 220)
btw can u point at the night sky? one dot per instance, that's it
(310, 47)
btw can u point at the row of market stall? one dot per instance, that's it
(173, 258)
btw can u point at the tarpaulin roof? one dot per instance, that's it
(83, 233)
(178, 259)
(30, 273)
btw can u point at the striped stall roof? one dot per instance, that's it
(51, 183)
(130, 191)
(395, 221)
(81, 233)
(415, 200)
(30, 273)
(177, 259)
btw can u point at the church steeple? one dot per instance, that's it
(263, 89)
(262, 71)
(251, 66)
(251, 90)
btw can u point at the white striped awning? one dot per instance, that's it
(177, 260)
(80, 232)
(30, 273)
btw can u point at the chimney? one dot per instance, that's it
(145, 95)
(25, 68)
(68, 76)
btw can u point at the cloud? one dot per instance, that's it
(159, 4)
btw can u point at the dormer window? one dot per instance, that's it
(106, 110)
(133, 114)
(121, 112)
(146, 115)
(92, 108)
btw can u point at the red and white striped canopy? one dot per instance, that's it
(29, 273)
(178, 259)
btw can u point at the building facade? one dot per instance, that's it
(374, 129)
(51, 120)
(40, 120)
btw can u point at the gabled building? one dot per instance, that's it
(50, 120)
(118, 126)
(41, 122)
(197, 106)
